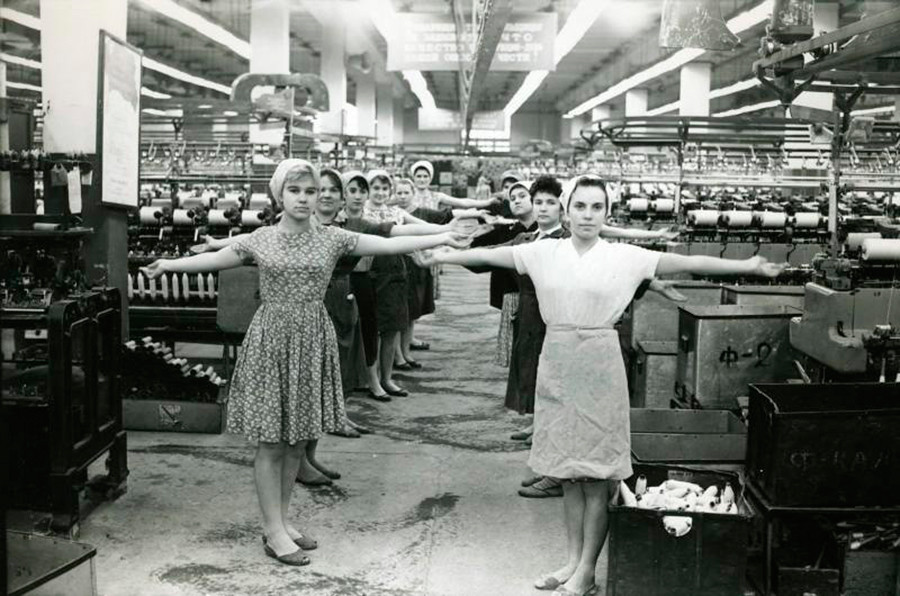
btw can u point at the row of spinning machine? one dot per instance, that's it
(170, 223)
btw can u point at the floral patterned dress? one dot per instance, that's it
(287, 379)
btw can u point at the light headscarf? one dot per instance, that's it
(348, 177)
(510, 175)
(373, 174)
(422, 164)
(570, 186)
(519, 183)
(287, 167)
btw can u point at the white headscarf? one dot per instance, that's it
(348, 177)
(373, 174)
(570, 186)
(276, 184)
(422, 164)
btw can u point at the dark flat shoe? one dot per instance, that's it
(324, 481)
(347, 433)
(422, 345)
(296, 558)
(304, 542)
(414, 364)
(329, 473)
(385, 397)
(404, 366)
(363, 430)
(396, 393)
(520, 436)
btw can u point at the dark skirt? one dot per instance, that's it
(341, 306)
(389, 276)
(364, 292)
(528, 338)
(420, 286)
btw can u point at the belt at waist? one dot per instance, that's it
(570, 327)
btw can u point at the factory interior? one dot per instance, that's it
(220, 218)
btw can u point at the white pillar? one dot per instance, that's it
(5, 193)
(366, 105)
(896, 117)
(270, 43)
(636, 101)
(333, 72)
(70, 38)
(601, 112)
(385, 111)
(398, 123)
(825, 18)
(696, 78)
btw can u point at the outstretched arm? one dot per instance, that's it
(488, 257)
(637, 234)
(670, 263)
(210, 261)
(465, 203)
(209, 243)
(368, 245)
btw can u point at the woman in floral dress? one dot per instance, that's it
(286, 388)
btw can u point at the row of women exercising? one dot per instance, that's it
(288, 385)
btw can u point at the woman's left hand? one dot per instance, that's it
(764, 268)
(669, 234)
(458, 240)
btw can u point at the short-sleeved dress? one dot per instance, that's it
(287, 379)
(581, 412)
(388, 274)
(420, 280)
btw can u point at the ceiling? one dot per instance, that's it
(621, 39)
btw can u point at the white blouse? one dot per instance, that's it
(590, 290)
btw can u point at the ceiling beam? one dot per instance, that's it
(496, 14)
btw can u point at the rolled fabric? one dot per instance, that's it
(677, 525)
(638, 205)
(251, 218)
(259, 200)
(628, 498)
(807, 219)
(217, 218)
(881, 249)
(703, 218)
(772, 219)
(738, 219)
(183, 217)
(664, 205)
(640, 487)
(148, 215)
(855, 239)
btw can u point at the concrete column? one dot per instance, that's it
(896, 117)
(270, 43)
(694, 92)
(385, 112)
(70, 57)
(333, 72)
(825, 18)
(636, 101)
(69, 76)
(366, 105)
(599, 113)
(5, 195)
(398, 123)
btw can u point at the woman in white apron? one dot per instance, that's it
(582, 434)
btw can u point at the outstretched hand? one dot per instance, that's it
(764, 268)
(458, 240)
(669, 234)
(464, 225)
(208, 243)
(154, 269)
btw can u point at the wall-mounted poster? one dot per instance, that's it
(119, 121)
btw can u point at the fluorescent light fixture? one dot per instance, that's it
(183, 76)
(714, 94)
(580, 20)
(747, 109)
(742, 22)
(24, 86)
(26, 20)
(420, 88)
(229, 113)
(4, 57)
(194, 21)
(382, 14)
(154, 94)
(874, 111)
(669, 107)
(178, 113)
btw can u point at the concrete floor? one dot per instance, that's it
(427, 506)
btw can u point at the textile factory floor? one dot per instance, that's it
(427, 506)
